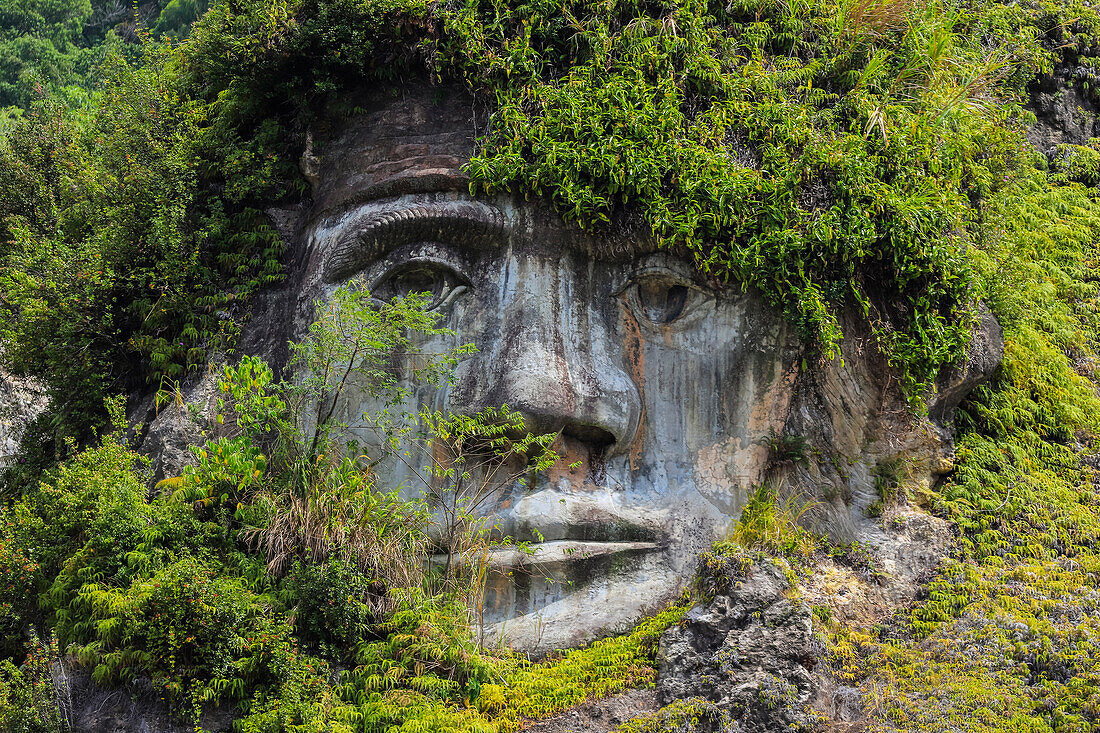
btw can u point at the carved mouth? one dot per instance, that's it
(561, 552)
(591, 519)
(555, 553)
(596, 526)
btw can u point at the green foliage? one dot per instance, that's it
(159, 587)
(38, 46)
(830, 154)
(770, 524)
(353, 342)
(149, 588)
(1044, 35)
(28, 695)
(602, 668)
(177, 17)
(330, 615)
(117, 247)
(1006, 637)
(1076, 164)
(683, 715)
(786, 449)
(20, 576)
(192, 631)
(737, 136)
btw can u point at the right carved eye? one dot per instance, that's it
(661, 298)
(661, 301)
(440, 282)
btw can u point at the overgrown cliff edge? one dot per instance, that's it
(573, 366)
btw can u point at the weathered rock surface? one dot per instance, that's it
(900, 554)
(1065, 114)
(135, 708)
(983, 356)
(21, 400)
(600, 716)
(169, 426)
(749, 652)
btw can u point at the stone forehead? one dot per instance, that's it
(392, 136)
(415, 140)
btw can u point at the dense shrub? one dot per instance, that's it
(28, 693)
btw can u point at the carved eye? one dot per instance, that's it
(661, 299)
(441, 283)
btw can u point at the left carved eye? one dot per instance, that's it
(441, 283)
(662, 299)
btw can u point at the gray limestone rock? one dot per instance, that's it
(21, 401)
(175, 423)
(1064, 112)
(133, 708)
(983, 356)
(749, 651)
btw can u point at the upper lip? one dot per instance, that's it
(552, 526)
(599, 525)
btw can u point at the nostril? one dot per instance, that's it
(598, 438)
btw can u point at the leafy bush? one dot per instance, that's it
(330, 614)
(770, 524)
(28, 693)
(20, 576)
(117, 253)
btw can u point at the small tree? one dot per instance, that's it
(302, 479)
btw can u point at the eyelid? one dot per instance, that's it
(438, 257)
(454, 282)
(661, 271)
(667, 278)
(376, 229)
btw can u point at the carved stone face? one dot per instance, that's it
(661, 387)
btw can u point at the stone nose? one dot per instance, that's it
(552, 357)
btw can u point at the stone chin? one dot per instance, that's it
(661, 387)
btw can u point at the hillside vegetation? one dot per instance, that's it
(860, 153)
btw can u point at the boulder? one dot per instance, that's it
(748, 652)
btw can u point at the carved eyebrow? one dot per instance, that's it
(374, 230)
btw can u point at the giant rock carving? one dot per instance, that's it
(664, 387)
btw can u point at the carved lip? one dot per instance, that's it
(559, 552)
(609, 530)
